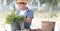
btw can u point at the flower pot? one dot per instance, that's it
(15, 26)
(48, 26)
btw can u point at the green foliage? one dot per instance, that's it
(10, 18)
(45, 1)
(14, 18)
(19, 19)
(48, 1)
(42, 1)
(54, 14)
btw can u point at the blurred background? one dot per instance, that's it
(44, 10)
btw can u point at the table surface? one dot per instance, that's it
(30, 30)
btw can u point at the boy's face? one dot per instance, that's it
(22, 5)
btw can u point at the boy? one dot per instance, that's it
(23, 10)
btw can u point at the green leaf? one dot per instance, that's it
(14, 18)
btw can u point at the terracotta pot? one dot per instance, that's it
(48, 26)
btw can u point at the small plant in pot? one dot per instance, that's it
(15, 21)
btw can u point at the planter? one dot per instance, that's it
(15, 21)
(48, 26)
(15, 26)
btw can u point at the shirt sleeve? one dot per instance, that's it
(30, 14)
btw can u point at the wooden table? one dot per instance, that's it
(30, 30)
